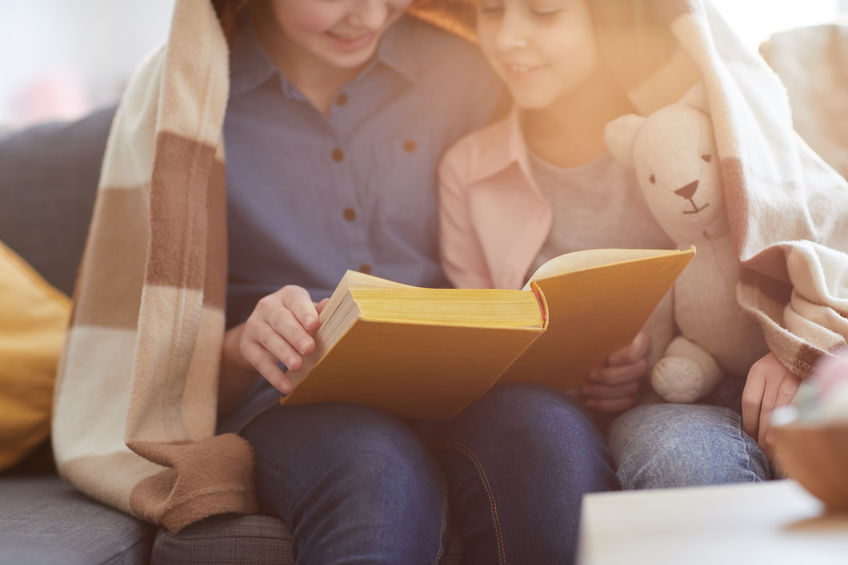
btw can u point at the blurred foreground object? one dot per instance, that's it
(811, 435)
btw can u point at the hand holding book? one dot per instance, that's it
(280, 329)
(614, 387)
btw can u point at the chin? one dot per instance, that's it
(343, 62)
(350, 60)
(528, 100)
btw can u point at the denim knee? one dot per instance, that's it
(677, 445)
(518, 462)
(350, 479)
(527, 416)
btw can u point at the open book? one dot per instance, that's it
(429, 353)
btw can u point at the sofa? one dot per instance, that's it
(48, 180)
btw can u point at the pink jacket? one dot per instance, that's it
(494, 219)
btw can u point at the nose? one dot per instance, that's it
(687, 191)
(510, 34)
(371, 14)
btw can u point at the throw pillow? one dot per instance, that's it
(33, 322)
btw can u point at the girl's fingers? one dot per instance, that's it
(786, 390)
(770, 393)
(297, 301)
(619, 374)
(319, 307)
(632, 353)
(278, 331)
(752, 401)
(267, 366)
(284, 323)
(281, 349)
(274, 375)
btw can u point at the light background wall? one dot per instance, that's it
(61, 58)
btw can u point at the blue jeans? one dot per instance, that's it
(358, 486)
(680, 445)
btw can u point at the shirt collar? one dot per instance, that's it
(397, 52)
(251, 66)
(502, 146)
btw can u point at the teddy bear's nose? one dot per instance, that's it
(688, 190)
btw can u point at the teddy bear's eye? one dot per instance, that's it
(653, 179)
(707, 158)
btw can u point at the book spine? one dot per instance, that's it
(543, 304)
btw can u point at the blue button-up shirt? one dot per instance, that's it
(310, 195)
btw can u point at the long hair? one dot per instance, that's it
(228, 11)
(633, 36)
(456, 16)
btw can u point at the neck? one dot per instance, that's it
(317, 80)
(570, 132)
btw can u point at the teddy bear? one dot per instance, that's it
(673, 152)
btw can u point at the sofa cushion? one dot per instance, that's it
(228, 538)
(33, 321)
(44, 521)
(47, 191)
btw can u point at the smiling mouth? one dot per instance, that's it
(349, 37)
(695, 209)
(521, 69)
(352, 43)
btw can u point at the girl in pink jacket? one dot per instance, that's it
(540, 183)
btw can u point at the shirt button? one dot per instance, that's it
(337, 155)
(341, 100)
(410, 145)
(365, 268)
(349, 214)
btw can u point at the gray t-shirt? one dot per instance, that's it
(600, 205)
(596, 205)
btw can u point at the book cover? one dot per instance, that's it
(429, 353)
(597, 301)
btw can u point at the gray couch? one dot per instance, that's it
(48, 178)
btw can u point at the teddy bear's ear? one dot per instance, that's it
(696, 97)
(620, 135)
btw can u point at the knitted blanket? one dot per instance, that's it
(135, 403)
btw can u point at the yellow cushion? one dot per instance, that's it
(33, 323)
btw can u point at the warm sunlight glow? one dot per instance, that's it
(756, 20)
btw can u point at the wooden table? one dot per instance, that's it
(770, 523)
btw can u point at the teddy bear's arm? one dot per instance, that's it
(686, 372)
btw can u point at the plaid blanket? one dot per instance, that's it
(135, 403)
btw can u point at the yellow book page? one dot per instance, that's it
(594, 311)
(592, 258)
(355, 279)
(413, 370)
(336, 317)
(450, 306)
